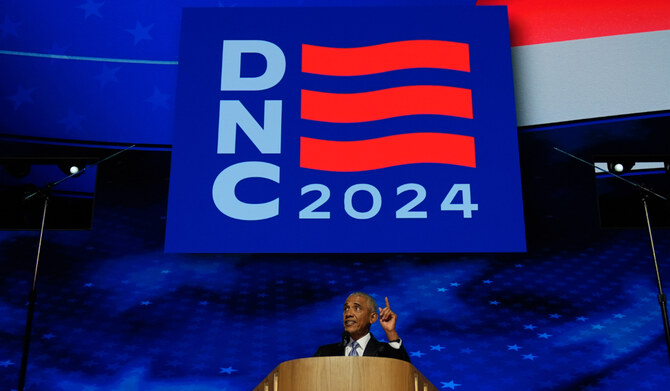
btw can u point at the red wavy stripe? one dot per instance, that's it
(387, 103)
(385, 57)
(350, 156)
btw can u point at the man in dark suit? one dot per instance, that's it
(359, 314)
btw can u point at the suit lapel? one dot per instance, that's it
(372, 349)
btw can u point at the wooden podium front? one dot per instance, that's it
(345, 374)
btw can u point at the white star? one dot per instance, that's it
(140, 32)
(9, 27)
(72, 120)
(228, 370)
(450, 384)
(91, 8)
(107, 75)
(22, 96)
(158, 99)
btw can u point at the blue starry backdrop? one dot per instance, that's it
(85, 78)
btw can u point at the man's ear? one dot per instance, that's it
(373, 317)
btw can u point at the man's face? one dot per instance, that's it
(358, 316)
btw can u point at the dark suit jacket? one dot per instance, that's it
(373, 349)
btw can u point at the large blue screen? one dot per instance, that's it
(345, 130)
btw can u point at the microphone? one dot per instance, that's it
(346, 337)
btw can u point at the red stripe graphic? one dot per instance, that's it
(542, 21)
(385, 57)
(387, 103)
(350, 156)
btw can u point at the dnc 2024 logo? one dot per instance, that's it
(345, 130)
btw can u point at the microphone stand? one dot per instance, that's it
(645, 193)
(31, 300)
(661, 295)
(46, 192)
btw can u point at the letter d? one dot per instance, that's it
(231, 63)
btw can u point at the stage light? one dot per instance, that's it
(619, 167)
(71, 169)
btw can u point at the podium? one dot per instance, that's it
(345, 374)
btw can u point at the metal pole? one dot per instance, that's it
(31, 304)
(661, 295)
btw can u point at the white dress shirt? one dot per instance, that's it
(363, 342)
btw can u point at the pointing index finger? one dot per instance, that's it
(387, 302)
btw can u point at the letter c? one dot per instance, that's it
(223, 191)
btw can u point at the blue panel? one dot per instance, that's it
(100, 71)
(197, 224)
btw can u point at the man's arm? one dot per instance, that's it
(388, 319)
